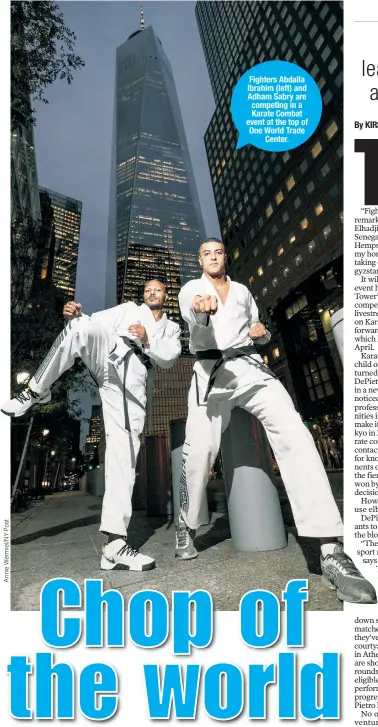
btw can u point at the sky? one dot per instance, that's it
(73, 132)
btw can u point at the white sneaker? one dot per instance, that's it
(119, 555)
(20, 404)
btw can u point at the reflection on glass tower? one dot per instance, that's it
(67, 221)
(155, 222)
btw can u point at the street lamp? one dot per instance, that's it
(22, 377)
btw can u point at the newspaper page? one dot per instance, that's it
(177, 466)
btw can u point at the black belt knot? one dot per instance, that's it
(229, 354)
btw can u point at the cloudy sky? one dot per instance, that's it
(73, 133)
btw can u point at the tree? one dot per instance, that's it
(42, 50)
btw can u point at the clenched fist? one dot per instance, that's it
(72, 310)
(206, 304)
(258, 330)
(140, 332)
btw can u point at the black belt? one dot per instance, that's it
(221, 357)
(145, 360)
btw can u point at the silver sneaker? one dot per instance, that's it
(185, 549)
(341, 575)
(20, 404)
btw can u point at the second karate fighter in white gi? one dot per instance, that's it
(224, 326)
(118, 346)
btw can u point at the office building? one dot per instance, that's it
(67, 222)
(281, 214)
(155, 222)
(94, 436)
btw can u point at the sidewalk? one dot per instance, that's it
(59, 537)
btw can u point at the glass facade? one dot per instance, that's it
(24, 180)
(280, 213)
(67, 221)
(155, 222)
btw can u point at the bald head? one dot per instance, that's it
(154, 283)
(155, 294)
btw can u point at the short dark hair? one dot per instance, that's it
(211, 239)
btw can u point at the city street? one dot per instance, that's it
(59, 537)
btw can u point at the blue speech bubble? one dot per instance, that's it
(275, 106)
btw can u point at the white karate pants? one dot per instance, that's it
(309, 492)
(85, 339)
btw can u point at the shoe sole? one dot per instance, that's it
(8, 413)
(364, 598)
(186, 557)
(108, 565)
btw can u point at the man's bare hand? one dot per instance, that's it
(72, 310)
(258, 330)
(140, 332)
(206, 304)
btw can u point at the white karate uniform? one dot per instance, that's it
(251, 387)
(98, 341)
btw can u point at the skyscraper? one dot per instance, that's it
(155, 222)
(67, 221)
(281, 213)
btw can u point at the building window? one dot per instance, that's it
(285, 217)
(312, 332)
(331, 129)
(280, 250)
(286, 272)
(266, 360)
(319, 42)
(338, 33)
(318, 209)
(318, 379)
(316, 149)
(325, 170)
(297, 202)
(270, 261)
(310, 187)
(334, 191)
(311, 245)
(275, 282)
(269, 210)
(279, 197)
(304, 223)
(255, 251)
(292, 238)
(264, 291)
(327, 97)
(251, 280)
(303, 166)
(236, 253)
(333, 65)
(298, 260)
(327, 231)
(286, 157)
(290, 183)
(260, 271)
(296, 307)
(276, 353)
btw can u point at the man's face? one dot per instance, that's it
(154, 295)
(213, 258)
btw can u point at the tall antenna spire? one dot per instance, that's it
(141, 19)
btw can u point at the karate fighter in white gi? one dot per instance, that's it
(118, 346)
(224, 326)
